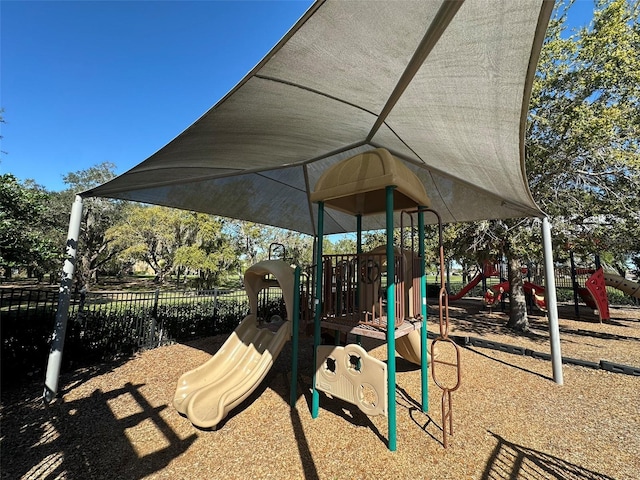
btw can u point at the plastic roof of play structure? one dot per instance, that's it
(442, 85)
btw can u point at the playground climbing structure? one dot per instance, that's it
(379, 294)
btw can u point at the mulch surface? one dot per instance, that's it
(511, 421)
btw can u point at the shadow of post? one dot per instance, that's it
(88, 438)
(510, 461)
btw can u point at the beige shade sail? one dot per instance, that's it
(442, 85)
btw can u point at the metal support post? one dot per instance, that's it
(315, 396)
(424, 363)
(295, 337)
(391, 315)
(552, 303)
(57, 342)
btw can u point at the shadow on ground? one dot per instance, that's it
(512, 461)
(472, 318)
(53, 441)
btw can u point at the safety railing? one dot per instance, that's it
(354, 289)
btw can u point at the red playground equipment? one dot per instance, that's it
(492, 298)
(494, 294)
(593, 294)
(488, 270)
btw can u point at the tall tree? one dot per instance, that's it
(582, 147)
(152, 234)
(173, 241)
(256, 242)
(212, 255)
(98, 214)
(25, 237)
(583, 135)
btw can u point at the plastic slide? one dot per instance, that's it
(537, 291)
(207, 394)
(621, 283)
(408, 347)
(598, 290)
(466, 288)
(538, 294)
(586, 297)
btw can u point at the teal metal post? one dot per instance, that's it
(315, 396)
(424, 364)
(391, 315)
(295, 336)
(359, 252)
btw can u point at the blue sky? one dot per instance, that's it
(84, 82)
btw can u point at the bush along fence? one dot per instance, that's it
(103, 326)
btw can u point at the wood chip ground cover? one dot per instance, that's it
(511, 420)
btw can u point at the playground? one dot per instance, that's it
(279, 398)
(358, 378)
(511, 420)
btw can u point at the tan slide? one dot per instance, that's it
(208, 393)
(408, 347)
(621, 283)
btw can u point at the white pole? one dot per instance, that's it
(62, 314)
(552, 303)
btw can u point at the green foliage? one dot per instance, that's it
(107, 332)
(212, 254)
(176, 241)
(25, 235)
(98, 214)
(583, 135)
(257, 242)
(582, 148)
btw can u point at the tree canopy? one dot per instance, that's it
(583, 135)
(582, 151)
(25, 240)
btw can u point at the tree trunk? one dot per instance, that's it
(518, 319)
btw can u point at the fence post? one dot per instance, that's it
(57, 342)
(154, 316)
(215, 316)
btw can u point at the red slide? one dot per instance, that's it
(466, 288)
(536, 291)
(586, 297)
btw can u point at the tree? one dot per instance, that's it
(27, 233)
(151, 235)
(98, 214)
(25, 239)
(582, 147)
(172, 241)
(212, 254)
(255, 242)
(583, 134)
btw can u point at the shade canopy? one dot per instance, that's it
(442, 85)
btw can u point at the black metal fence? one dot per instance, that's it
(105, 325)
